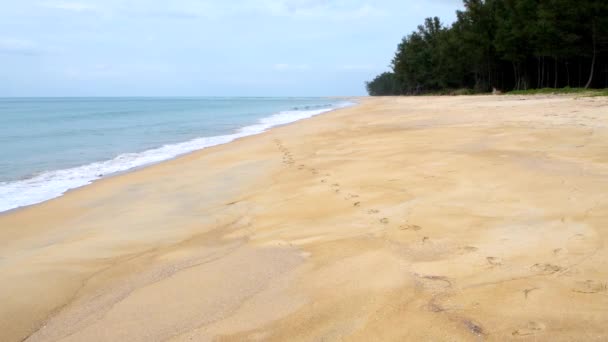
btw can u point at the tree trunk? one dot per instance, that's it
(555, 72)
(545, 79)
(538, 73)
(515, 80)
(592, 59)
(580, 72)
(592, 70)
(567, 74)
(542, 73)
(490, 84)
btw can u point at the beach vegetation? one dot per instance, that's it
(566, 90)
(507, 45)
(384, 84)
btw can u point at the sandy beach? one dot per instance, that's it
(403, 218)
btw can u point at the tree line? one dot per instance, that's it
(504, 44)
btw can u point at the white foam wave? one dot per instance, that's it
(53, 184)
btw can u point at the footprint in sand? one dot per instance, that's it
(530, 328)
(356, 204)
(474, 327)
(527, 291)
(384, 220)
(467, 249)
(578, 237)
(433, 281)
(373, 211)
(546, 268)
(591, 287)
(494, 261)
(413, 227)
(350, 196)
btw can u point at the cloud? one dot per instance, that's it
(193, 9)
(18, 47)
(291, 67)
(176, 9)
(300, 5)
(95, 72)
(357, 67)
(70, 6)
(324, 9)
(114, 71)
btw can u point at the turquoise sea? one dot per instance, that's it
(51, 145)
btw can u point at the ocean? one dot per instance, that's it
(51, 145)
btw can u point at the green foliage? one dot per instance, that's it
(463, 91)
(566, 90)
(384, 84)
(451, 92)
(504, 44)
(540, 91)
(600, 92)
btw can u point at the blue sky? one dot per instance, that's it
(203, 47)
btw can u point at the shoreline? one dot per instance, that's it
(348, 102)
(395, 219)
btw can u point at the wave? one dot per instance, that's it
(52, 184)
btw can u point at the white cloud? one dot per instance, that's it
(337, 10)
(95, 72)
(364, 12)
(18, 47)
(176, 9)
(190, 9)
(116, 71)
(70, 6)
(291, 67)
(357, 67)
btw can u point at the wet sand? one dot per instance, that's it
(429, 218)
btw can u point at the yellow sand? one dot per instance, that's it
(430, 218)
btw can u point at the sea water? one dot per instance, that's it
(51, 145)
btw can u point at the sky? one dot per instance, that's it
(203, 47)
